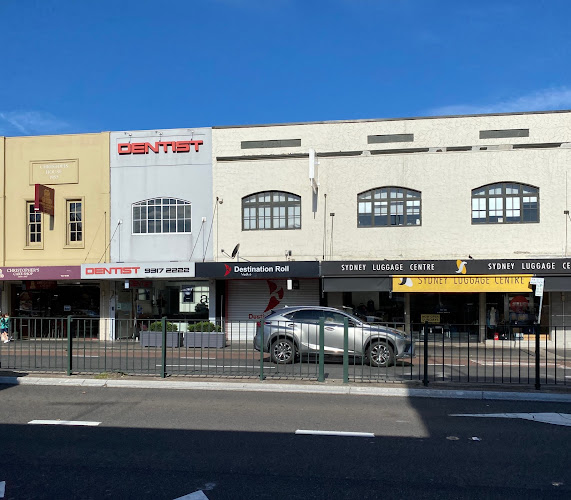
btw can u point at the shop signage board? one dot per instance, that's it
(459, 267)
(44, 199)
(137, 270)
(40, 273)
(462, 284)
(240, 270)
(158, 146)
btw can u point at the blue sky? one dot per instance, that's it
(74, 66)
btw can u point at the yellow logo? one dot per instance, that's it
(461, 265)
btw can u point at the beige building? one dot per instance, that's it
(412, 191)
(42, 252)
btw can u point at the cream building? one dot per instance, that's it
(460, 188)
(41, 252)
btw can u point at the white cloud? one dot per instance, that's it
(30, 123)
(542, 100)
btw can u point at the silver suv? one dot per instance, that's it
(295, 330)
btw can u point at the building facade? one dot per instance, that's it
(427, 193)
(55, 216)
(161, 220)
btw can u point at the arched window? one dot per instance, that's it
(388, 206)
(505, 203)
(271, 210)
(161, 215)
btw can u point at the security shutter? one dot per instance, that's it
(248, 299)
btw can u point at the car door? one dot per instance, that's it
(334, 327)
(306, 325)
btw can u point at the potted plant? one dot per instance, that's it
(153, 337)
(204, 334)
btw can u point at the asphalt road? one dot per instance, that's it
(165, 444)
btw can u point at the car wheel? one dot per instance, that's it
(282, 351)
(380, 354)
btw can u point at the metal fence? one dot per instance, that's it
(160, 348)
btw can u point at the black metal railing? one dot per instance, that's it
(351, 352)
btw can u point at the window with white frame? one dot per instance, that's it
(505, 203)
(271, 210)
(389, 206)
(74, 222)
(161, 215)
(34, 225)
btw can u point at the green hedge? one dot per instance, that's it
(203, 326)
(157, 326)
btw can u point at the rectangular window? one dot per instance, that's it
(478, 210)
(34, 225)
(74, 222)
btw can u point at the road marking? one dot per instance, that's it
(64, 422)
(82, 356)
(547, 418)
(443, 364)
(2, 488)
(507, 362)
(256, 367)
(335, 433)
(197, 357)
(197, 495)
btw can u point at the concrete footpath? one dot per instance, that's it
(560, 395)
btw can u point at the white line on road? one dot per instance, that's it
(547, 418)
(2, 488)
(443, 364)
(334, 433)
(82, 356)
(223, 366)
(197, 357)
(64, 422)
(197, 495)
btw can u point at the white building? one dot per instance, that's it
(423, 193)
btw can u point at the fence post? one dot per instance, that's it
(69, 346)
(537, 382)
(346, 351)
(262, 347)
(321, 377)
(425, 379)
(164, 347)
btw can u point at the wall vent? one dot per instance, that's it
(388, 138)
(502, 134)
(279, 143)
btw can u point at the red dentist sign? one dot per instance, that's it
(137, 148)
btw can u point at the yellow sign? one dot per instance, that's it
(430, 318)
(455, 284)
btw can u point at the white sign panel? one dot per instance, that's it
(125, 270)
(539, 283)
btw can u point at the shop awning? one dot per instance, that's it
(357, 284)
(557, 284)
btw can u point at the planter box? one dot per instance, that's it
(204, 339)
(155, 339)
